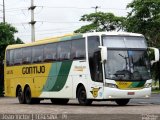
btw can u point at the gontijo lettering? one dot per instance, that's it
(33, 70)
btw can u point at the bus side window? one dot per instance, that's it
(7, 57)
(18, 56)
(64, 50)
(37, 54)
(26, 53)
(11, 58)
(78, 49)
(50, 52)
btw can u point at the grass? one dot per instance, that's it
(155, 91)
(155, 87)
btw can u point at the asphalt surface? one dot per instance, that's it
(154, 99)
(137, 109)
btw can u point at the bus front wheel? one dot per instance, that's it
(122, 102)
(82, 97)
(20, 96)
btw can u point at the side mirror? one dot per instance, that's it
(103, 53)
(153, 54)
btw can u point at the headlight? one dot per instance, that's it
(111, 85)
(148, 85)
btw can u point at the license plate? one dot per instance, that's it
(131, 93)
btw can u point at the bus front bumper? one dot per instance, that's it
(114, 93)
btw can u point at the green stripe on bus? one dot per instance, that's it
(134, 85)
(52, 77)
(137, 84)
(62, 76)
(71, 37)
(141, 84)
(58, 82)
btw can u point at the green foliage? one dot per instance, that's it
(7, 38)
(145, 18)
(101, 22)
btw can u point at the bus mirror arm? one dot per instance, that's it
(156, 55)
(103, 53)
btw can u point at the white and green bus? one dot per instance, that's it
(94, 66)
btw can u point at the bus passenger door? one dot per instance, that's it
(95, 66)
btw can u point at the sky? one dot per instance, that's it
(55, 17)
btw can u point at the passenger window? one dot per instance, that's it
(64, 50)
(26, 59)
(37, 54)
(18, 56)
(78, 49)
(50, 52)
(7, 57)
(11, 57)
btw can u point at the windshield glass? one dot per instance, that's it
(127, 65)
(124, 42)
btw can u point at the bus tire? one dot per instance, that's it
(59, 101)
(28, 97)
(122, 102)
(82, 96)
(20, 96)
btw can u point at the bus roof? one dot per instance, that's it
(71, 36)
(113, 33)
(47, 40)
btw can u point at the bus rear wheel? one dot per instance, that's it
(82, 97)
(28, 97)
(20, 96)
(122, 102)
(59, 101)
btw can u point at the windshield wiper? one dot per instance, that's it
(125, 58)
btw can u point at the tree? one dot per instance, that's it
(101, 21)
(7, 38)
(145, 18)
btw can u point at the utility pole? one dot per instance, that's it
(4, 16)
(96, 7)
(32, 22)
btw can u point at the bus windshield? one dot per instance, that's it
(127, 58)
(127, 65)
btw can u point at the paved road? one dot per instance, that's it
(141, 107)
(155, 99)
